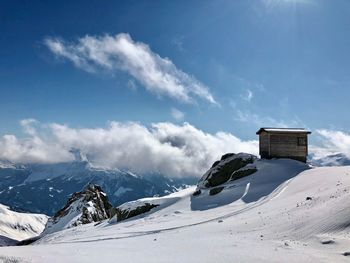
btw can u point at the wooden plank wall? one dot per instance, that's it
(264, 144)
(286, 145)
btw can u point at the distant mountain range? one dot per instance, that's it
(45, 188)
(338, 159)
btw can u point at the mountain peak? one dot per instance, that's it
(79, 156)
(87, 206)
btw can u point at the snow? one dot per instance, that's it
(285, 130)
(20, 226)
(292, 130)
(265, 217)
(67, 221)
(337, 159)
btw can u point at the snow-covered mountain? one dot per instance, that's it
(338, 159)
(19, 226)
(265, 211)
(45, 188)
(283, 212)
(88, 206)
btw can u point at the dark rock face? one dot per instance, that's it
(87, 206)
(227, 155)
(215, 163)
(216, 190)
(229, 168)
(95, 198)
(242, 173)
(123, 214)
(197, 192)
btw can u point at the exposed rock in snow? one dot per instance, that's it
(230, 167)
(128, 212)
(90, 205)
(143, 206)
(249, 180)
(16, 226)
(263, 217)
(216, 190)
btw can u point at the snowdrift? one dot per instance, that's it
(283, 212)
(16, 226)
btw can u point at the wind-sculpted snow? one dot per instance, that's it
(285, 212)
(19, 226)
(267, 177)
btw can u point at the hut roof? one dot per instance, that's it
(283, 130)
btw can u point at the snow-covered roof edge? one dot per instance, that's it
(287, 130)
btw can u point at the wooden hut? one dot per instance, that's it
(283, 143)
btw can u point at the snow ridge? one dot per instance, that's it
(20, 226)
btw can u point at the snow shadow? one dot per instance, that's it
(271, 177)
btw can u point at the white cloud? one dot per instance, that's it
(177, 114)
(266, 121)
(121, 53)
(170, 149)
(333, 142)
(35, 148)
(247, 95)
(166, 148)
(27, 125)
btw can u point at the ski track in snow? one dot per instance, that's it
(262, 201)
(281, 226)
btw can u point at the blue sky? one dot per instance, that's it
(264, 62)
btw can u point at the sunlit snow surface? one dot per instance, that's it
(265, 217)
(19, 226)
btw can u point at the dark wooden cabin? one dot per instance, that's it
(283, 143)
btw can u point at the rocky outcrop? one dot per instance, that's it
(123, 213)
(230, 167)
(216, 190)
(87, 206)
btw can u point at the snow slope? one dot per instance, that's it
(88, 206)
(19, 226)
(285, 212)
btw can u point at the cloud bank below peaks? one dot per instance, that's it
(332, 142)
(121, 53)
(165, 148)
